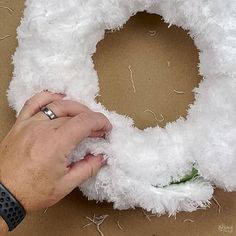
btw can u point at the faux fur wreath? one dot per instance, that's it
(57, 39)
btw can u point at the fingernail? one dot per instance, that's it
(109, 127)
(102, 135)
(70, 165)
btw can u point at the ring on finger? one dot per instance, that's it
(49, 113)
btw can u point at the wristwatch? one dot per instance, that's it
(11, 210)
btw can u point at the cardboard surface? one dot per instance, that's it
(160, 64)
(155, 82)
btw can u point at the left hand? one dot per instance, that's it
(34, 155)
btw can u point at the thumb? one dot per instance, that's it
(84, 169)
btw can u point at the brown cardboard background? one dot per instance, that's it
(67, 217)
(154, 80)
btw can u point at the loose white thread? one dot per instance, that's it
(152, 33)
(189, 220)
(6, 36)
(155, 116)
(131, 78)
(97, 220)
(178, 92)
(119, 226)
(148, 216)
(217, 203)
(8, 8)
(45, 210)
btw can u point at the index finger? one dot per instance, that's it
(85, 124)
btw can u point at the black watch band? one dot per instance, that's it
(10, 209)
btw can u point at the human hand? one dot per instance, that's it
(34, 154)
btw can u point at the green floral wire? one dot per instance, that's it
(194, 173)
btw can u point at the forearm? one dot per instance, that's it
(3, 227)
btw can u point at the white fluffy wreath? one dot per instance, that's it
(56, 41)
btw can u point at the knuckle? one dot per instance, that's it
(45, 93)
(90, 169)
(35, 129)
(42, 93)
(57, 103)
(83, 117)
(39, 129)
(84, 107)
(101, 116)
(32, 104)
(57, 106)
(101, 119)
(28, 102)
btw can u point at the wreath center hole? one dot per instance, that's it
(147, 71)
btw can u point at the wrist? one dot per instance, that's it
(3, 227)
(11, 210)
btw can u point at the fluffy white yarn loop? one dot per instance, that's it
(56, 41)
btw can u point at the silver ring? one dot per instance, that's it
(49, 113)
